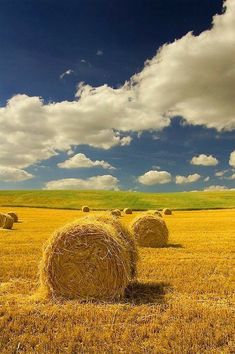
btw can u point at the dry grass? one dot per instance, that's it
(183, 301)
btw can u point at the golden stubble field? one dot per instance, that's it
(183, 301)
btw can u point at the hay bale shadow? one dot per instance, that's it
(146, 293)
(174, 245)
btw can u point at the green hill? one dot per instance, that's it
(118, 199)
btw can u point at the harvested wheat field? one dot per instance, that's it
(182, 302)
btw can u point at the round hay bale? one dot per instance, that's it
(149, 231)
(8, 222)
(2, 219)
(155, 212)
(127, 211)
(167, 211)
(116, 213)
(125, 236)
(85, 260)
(14, 216)
(85, 209)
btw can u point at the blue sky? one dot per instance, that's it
(142, 135)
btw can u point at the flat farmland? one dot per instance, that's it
(182, 301)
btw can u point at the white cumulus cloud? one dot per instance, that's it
(11, 174)
(155, 177)
(217, 188)
(187, 179)
(232, 176)
(204, 160)
(105, 182)
(220, 173)
(232, 159)
(82, 161)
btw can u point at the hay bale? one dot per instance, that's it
(2, 219)
(124, 234)
(149, 231)
(155, 212)
(116, 213)
(85, 260)
(85, 209)
(167, 211)
(127, 211)
(8, 222)
(14, 216)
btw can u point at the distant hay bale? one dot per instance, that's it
(7, 222)
(116, 213)
(167, 211)
(127, 211)
(149, 231)
(85, 260)
(124, 234)
(155, 212)
(2, 219)
(14, 216)
(85, 209)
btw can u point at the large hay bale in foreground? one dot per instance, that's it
(125, 236)
(127, 211)
(7, 222)
(116, 213)
(149, 231)
(167, 211)
(14, 216)
(85, 209)
(85, 260)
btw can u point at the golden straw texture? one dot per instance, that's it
(85, 209)
(14, 216)
(127, 211)
(86, 260)
(116, 212)
(167, 211)
(124, 234)
(7, 222)
(155, 212)
(149, 231)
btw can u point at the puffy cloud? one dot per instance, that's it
(32, 131)
(217, 188)
(206, 179)
(10, 174)
(66, 73)
(105, 182)
(232, 159)
(220, 173)
(204, 160)
(99, 52)
(232, 176)
(155, 177)
(82, 161)
(203, 69)
(187, 179)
